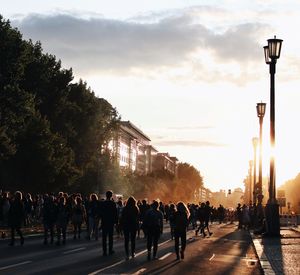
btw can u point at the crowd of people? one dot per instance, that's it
(61, 212)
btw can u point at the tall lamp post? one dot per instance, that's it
(272, 53)
(261, 109)
(250, 181)
(254, 143)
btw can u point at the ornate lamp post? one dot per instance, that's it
(254, 143)
(261, 109)
(272, 53)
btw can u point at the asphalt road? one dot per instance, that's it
(227, 251)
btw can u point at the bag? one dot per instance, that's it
(152, 220)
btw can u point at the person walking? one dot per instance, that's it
(109, 217)
(181, 222)
(153, 224)
(130, 223)
(120, 207)
(93, 217)
(239, 215)
(62, 220)
(78, 217)
(16, 216)
(246, 217)
(201, 218)
(172, 211)
(207, 214)
(49, 216)
(144, 207)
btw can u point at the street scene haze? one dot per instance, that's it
(149, 137)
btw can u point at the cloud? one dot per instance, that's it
(188, 143)
(97, 44)
(192, 128)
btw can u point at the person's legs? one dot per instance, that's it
(155, 244)
(111, 239)
(58, 230)
(132, 240)
(96, 228)
(149, 244)
(51, 228)
(79, 229)
(176, 236)
(207, 226)
(18, 229)
(104, 238)
(64, 234)
(183, 243)
(75, 230)
(46, 229)
(90, 227)
(126, 242)
(12, 235)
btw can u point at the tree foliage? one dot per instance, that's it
(52, 130)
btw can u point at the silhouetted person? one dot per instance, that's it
(144, 207)
(239, 215)
(93, 217)
(246, 217)
(108, 220)
(221, 213)
(172, 210)
(207, 214)
(62, 220)
(153, 224)
(49, 216)
(129, 222)
(16, 217)
(78, 217)
(201, 216)
(181, 220)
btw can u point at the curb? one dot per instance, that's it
(263, 260)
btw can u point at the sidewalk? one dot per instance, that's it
(279, 255)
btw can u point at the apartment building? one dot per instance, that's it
(133, 151)
(163, 161)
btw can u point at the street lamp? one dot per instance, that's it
(272, 53)
(261, 109)
(250, 181)
(254, 143)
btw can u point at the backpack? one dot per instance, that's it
(152, 219)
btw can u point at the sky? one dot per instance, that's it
(188, 73)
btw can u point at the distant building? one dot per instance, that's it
(219, 198)
(163, 161)
(132, 149)
(203, 194)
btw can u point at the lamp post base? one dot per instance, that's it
(272, 219)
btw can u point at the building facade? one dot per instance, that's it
(163, 161)
(132, 149)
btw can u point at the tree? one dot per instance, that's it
(189, 180)
(52, 131)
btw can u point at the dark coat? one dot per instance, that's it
(109, 213)
(49, 213)
(16, 214)
(130, 218)
(181, 221)
(153, 221)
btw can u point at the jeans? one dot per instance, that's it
(129, 234)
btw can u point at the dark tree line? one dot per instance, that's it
(53, 132)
